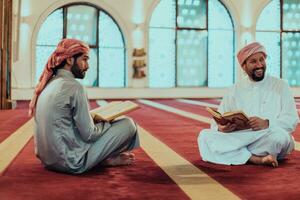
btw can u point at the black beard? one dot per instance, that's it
(76, 71)
(257, 78)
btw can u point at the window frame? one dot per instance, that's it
(281, 31)
(96, 46)
(178, 28)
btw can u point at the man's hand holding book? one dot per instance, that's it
(238, 120)
(257, 123)
(227, 128)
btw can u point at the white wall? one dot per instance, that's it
(30, 14)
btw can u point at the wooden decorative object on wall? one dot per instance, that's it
(139, 52)
(5, 53)
(139, 63)
(139, 73)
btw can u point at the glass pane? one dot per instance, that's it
(191, 13)
(126, 69)
(109, 32)
(221, 46)
(161, 58)
(291, 58)
(111, 67)
(164, 14)
(271, 41)
(220, 58)
(51, 31)
(82, 23)
(90, 78)
(218, 16)
(291, 15)
(191, 58)
(41, 58)
(271, 11)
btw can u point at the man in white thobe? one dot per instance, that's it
(270, 105)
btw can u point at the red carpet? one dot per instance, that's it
(196, 109)
(27, 179)
(93, 104)
(209, 100)
(247, 181)
(296, 134)
(12, 119)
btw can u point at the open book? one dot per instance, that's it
(113, 110)
(238, 117)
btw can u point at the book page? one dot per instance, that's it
(240, 119)
(214, 113)
(115, 109)
(228, 114)
(236, 117)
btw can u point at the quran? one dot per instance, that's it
(113, 110)
(237, 117)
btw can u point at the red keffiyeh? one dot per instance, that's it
(66, 48)
(249, 50)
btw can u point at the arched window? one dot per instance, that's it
(108, 66)
(191, 44)
(281, 37)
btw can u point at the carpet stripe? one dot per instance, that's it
(297, 146)
(176, 111)
(11, 120)
(194, 182)
(166, 158)
(200, 103)
(26, 179)
(246, 181)
(13, 144)
(10, 147)
(189, 114)
(167, 182)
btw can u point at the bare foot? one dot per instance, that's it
(125, 158)
(269, 160)
(264, 160)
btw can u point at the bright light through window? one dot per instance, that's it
(281, 43)
(185, 51)
(107, 63)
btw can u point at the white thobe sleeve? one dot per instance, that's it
(227, 105)
(288, 117)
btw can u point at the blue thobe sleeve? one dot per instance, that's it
(89, 131)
